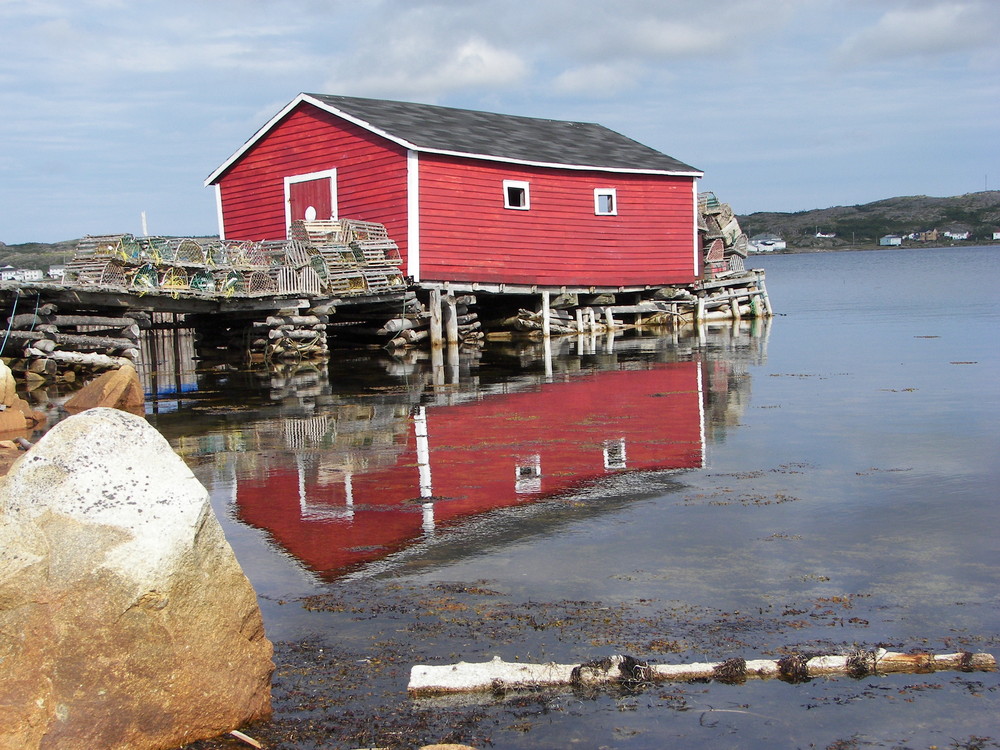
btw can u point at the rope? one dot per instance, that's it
(38, 301)
(10, 325)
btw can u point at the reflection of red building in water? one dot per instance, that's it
(460, 460)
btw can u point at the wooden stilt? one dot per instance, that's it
(450, 319)
(546, 316)
(436, 324)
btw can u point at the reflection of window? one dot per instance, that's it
(614, 454)
(528, 475)
(515, 195)
(605, 202)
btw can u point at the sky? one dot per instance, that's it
(111, 109)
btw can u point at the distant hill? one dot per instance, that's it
(853, 226)
(863, 225)
(37, 254)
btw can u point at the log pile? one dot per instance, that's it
(603, 313)
(287, 334)
(412, 326)
(46, 343)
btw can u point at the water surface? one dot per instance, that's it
(818, 483)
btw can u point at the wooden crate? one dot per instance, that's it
(376, 252)
(319, 232)
(364, 231)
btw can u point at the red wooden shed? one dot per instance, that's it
(471, 198)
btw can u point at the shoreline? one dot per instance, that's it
(866, 248)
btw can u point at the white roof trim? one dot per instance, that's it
(424, 150)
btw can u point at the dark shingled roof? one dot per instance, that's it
(508, 137)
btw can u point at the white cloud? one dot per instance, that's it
(419, 66)
(920, 28)
(114, 92)
(602, 79)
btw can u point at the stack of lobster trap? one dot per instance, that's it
(334, 258)
(723, 242)
(350, 256)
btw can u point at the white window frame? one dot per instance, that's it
(615, 456)
(520, 185)
(528, 474)
(610, 193)
(308, 177)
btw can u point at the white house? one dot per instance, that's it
(957, 235)
(9, 273)
(765, 243)
(891, 239)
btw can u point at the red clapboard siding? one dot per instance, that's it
(467, 234)
(371, 175)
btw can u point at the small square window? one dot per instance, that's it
(515, 195)
(605, 202)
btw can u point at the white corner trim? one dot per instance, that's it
(413, 214)
(694, 241)
(218, 211)
(701, 415)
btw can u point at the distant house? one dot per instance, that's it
(996, 234)
(890, 240)
(473, 199)
(9, 273)
(766, 243)
(57, 272)
(957, 235)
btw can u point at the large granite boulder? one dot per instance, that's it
(125, 619)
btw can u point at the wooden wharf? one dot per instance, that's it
(284, 300)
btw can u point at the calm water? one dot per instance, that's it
(825, 480)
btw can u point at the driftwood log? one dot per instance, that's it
(498, 675)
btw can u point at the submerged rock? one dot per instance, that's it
(116, 389)
(16, 415)
(125, 619)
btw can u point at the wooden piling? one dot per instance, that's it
(546, 315)
(450, 319)
(435, 322)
